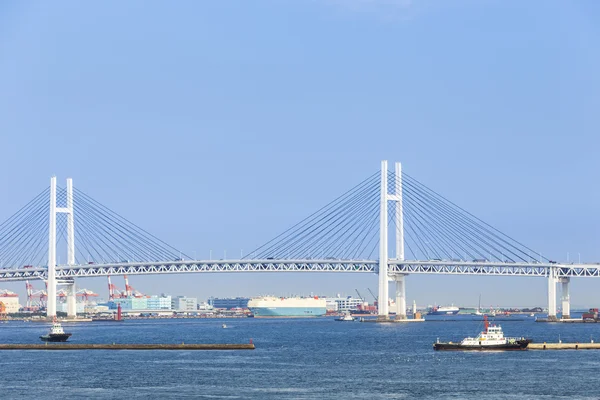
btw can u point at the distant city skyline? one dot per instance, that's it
(216, 128)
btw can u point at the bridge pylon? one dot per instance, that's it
(385, 197)
(52, 283)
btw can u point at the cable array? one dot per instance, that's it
(437, 229)
(101, 235)
(345, 228)
(434, 229)
(22, 235)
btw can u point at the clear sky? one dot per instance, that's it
(216, 125)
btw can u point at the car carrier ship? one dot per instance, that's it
(269, 306)
(443, 310)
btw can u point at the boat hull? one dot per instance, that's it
(518, 345)
(55, 337)
(451, 312)
(296, 312)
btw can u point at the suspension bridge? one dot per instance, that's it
(352, 234)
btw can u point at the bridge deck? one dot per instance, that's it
(306, 265)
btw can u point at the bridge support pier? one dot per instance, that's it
(71, 301)
(400, 297)
(566, 301)
(551, 294)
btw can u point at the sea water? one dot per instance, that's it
(299, 359)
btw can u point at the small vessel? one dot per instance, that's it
(56, 334)
(532, 315)
(224, 326)
(444, 310)
(491, 338)
(346, 317)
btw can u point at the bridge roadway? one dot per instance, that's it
(396, 267)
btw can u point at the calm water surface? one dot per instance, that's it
(298, 359)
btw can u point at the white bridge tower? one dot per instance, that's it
(52, 282)
(382, 304)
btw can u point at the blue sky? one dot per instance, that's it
(217, 125)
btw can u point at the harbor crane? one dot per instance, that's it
(85, 294)
(36, 299)
(359, 296)
(115, 293)
(130, 291)
(374, 297)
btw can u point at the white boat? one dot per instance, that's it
(491, 338)
(346, 317)
(224, 326)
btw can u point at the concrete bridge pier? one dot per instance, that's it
(400, 297)
(551, 294)
(565, 298)
(71, 300)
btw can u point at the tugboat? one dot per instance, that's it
(346, 317)
(492, 338)
(56, 334)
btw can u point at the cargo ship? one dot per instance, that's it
(444, 310)
(268, 306)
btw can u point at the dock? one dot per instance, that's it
(563, 346)
(391, 320)
(182, 346)
(569, 320)
(61, 320)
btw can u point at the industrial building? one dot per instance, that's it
(79, 307)
(331, 304)
(229, 303)
(10, 301)
(343, 304)
(182, 303)
(161, 302)
(129, 303)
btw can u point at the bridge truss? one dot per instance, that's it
(345, 266)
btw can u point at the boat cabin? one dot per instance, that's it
(56, 329)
